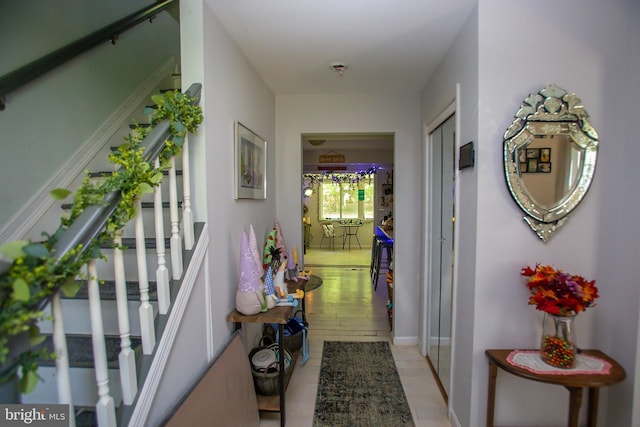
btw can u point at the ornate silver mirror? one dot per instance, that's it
(550, 153)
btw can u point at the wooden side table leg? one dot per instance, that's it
(282, 355)
(491, 395)
(592, 414)
(575, 400)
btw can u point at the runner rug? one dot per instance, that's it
(360, 387)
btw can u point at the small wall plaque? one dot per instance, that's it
(467, 156)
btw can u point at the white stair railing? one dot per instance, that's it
(105, 408)
(86, 228)
(62, 358)
(176, 242)
(162, 272)
(126, 358)
(187, 213)
(147, 329)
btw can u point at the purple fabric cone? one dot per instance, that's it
(249, 273)
(253, 246)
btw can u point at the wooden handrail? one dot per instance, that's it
(23, 75)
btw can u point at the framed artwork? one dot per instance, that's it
(545, 155)
(250, 164)
(544, 167)
(535, 160)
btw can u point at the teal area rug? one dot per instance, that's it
(360, 387)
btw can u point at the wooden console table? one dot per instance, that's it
(278, 315)
(574, 383)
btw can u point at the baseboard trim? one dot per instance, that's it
(26, 218)
(405, 340)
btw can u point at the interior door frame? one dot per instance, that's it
(452, 108)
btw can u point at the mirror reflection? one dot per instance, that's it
(549, 158)
(549, 167)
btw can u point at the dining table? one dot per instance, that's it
(349, 230)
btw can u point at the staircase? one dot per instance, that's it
(114, 324)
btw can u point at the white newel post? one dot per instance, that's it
(176, 243)
(105, 408)
(62, 358)
(187, 213)
(126, 358)
(162, 272)
(147, 329)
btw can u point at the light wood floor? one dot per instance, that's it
(345, 308)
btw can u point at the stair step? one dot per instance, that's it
(86, 417)
(80, 350)
(108, 291)
(105, 174)
(145, 205)
(149, 243)
(142, 125)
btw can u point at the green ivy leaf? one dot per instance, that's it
(178, 126)
(158, 99)
(20, 290)
(70, 287)
(28, 382)
(13, 250)
(35, 337)
(36, 250)
(60, 193)
(178, 140)
(94, 252)
(145, 188)
(157, 178)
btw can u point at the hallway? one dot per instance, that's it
(345, 308)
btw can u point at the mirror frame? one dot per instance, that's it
(551, 111)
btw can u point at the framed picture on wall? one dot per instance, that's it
(250, 164)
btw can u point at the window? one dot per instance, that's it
(345, 199)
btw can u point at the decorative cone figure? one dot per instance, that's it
(249, 297)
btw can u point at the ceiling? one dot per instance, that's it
(389, 46)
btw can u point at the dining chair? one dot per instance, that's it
(328, 232)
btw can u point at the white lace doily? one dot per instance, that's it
(531, 361)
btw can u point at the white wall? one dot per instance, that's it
(233, 92)
(56, 113)
(298, 114)
(460, 67)
(522, 47)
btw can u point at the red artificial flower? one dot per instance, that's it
(559, 293)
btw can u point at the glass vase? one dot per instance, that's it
(558, 347)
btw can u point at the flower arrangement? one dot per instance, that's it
(556, 292)
(561, 296)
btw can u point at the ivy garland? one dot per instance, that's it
(36, 273)
(340, 177)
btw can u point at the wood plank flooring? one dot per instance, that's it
(345, 308)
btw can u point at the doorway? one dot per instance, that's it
(356, 170)
(441, 184)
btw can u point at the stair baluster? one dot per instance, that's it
(176, 243)
(147, 329)
(126, 358)
(62, 358)
(162, 272)
(187, 213)
(105, 408)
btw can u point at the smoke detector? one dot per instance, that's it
(339, 67)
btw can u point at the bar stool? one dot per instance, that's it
(380, 244)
